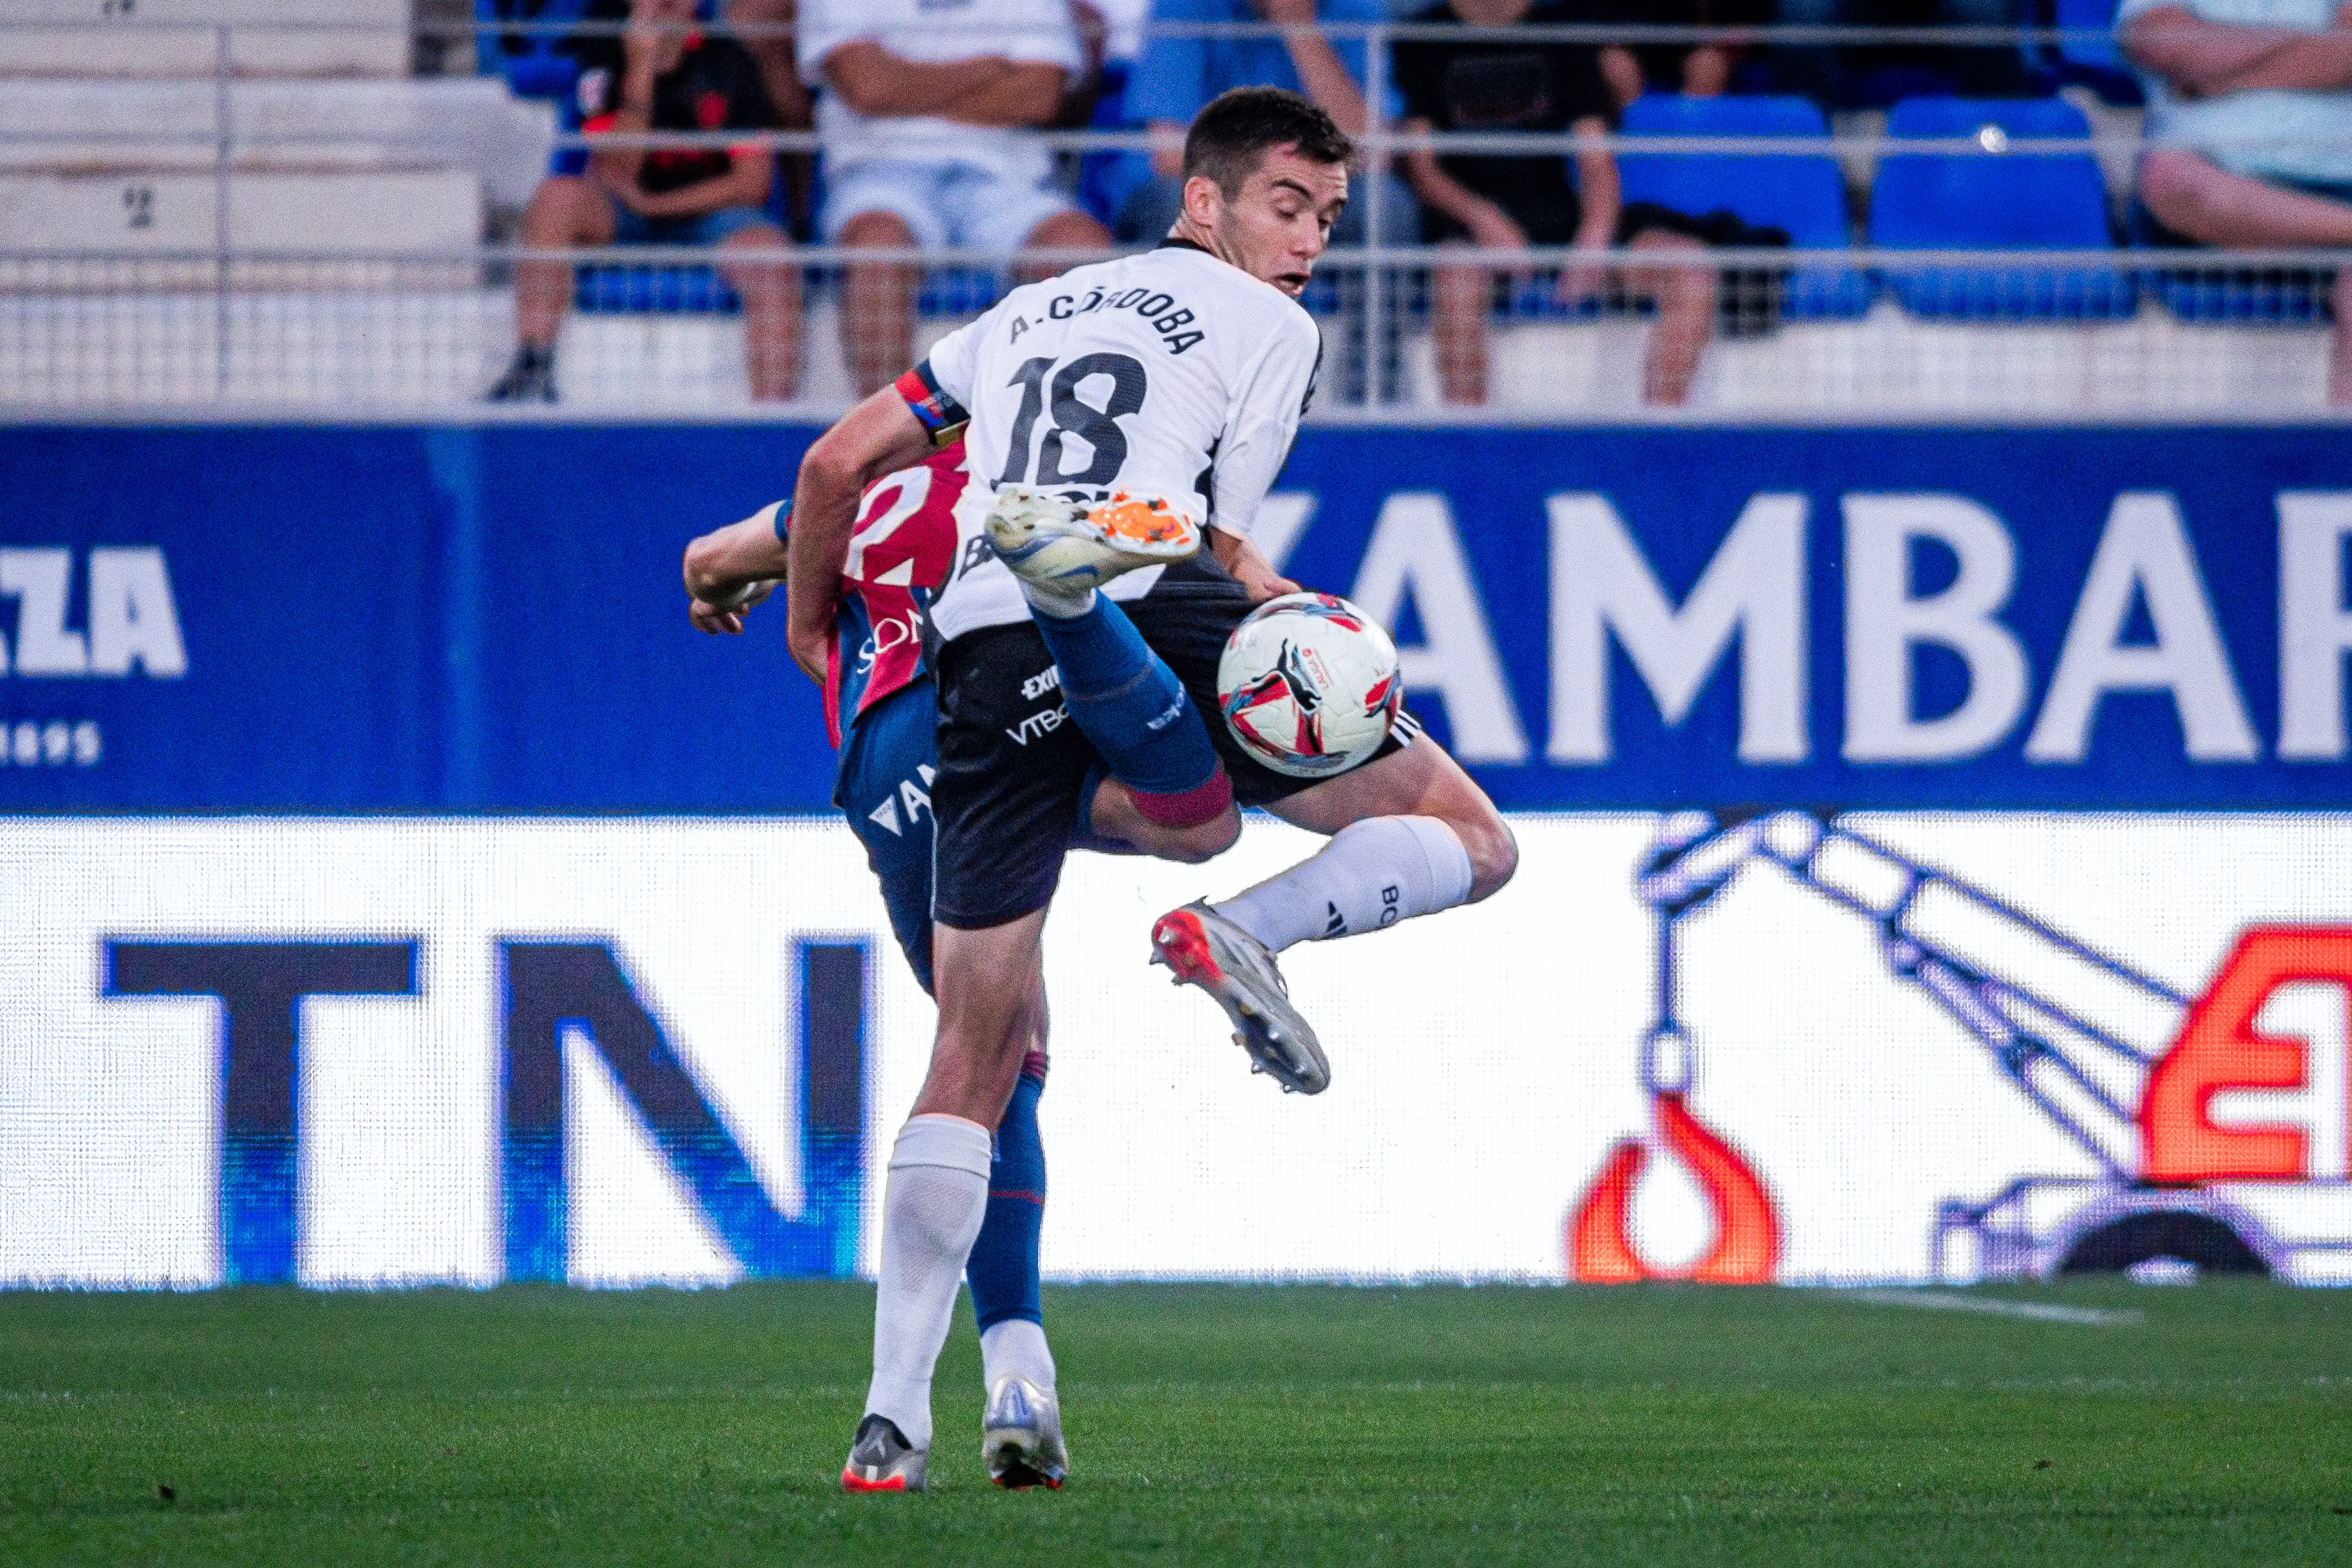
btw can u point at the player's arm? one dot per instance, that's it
(1249, 566)
(731, 569)
(1270, 400)
(880, 435)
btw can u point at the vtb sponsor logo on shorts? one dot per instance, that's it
(1046, 721)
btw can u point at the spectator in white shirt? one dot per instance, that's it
(2249, 108)
(925, 122)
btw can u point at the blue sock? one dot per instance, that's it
(1003, 1264)
(1127, 702)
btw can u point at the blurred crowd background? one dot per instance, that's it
(1564, 207)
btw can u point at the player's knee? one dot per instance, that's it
(1493, 848)
(1205, 840)
(1189, 845)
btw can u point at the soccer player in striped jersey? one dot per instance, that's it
(879, 712)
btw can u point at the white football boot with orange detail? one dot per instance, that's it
(1206, 949)
(1063, 548)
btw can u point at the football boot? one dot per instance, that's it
(1064, 547)
(1020, 1436)
(1204, 949)
(882, 1460)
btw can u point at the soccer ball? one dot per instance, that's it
(1309, 685)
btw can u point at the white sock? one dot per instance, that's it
(1062, 604)
(1373, 874)
(937, 1197)
(1015, 1348)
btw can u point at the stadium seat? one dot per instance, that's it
(2231, 295)
(1804, 193)
(2097, 64)
(1994, 201)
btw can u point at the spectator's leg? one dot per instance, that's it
(1686, 295)
(1463, 297)
(566, 210)
(1707, 71)
(1622, 72)
(1070, 230)
(771, 313)
(878, 301)
(2339, 345)
(2195, 197)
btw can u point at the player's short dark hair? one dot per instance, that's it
(1240, 126)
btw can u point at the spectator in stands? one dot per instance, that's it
(667, 75)
(1178, 76)
(925, 122)
(1509, 201)
(2254, 101)
(1699, 71)
(765, 27)
(1831, 74)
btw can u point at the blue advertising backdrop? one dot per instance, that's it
(489, 619)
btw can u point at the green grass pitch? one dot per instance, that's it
(1294, 1424)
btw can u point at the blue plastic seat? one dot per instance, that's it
(1993, 201)
(2234, 296)
(1803, 194)
(2096, 63)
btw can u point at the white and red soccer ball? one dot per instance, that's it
(1309, 685)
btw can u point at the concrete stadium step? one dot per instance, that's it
(75, 126)
(180, 37)
(170, 215)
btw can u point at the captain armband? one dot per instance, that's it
(943, 418)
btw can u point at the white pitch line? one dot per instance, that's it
(2040, 1311)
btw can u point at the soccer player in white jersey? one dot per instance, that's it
(1119, 417)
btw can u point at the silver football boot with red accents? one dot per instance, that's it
(1204, 949)
(882, 1460)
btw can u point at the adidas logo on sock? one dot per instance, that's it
(1338, 924)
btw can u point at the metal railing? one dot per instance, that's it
(80, 324)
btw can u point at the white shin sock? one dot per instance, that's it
(1016, 1348)
(936, 1198)
(1371, 874)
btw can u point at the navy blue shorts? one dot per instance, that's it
(884, 788)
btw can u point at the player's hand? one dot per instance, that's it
(710, 619)
(1262, 581)
(725, 613)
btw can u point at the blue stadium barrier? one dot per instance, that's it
(1804, 194)
(1993, 202)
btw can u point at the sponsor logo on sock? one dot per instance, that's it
(1175, 711)
(1389, 897)
(1336, 925)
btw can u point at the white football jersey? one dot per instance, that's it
(1167, 374)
